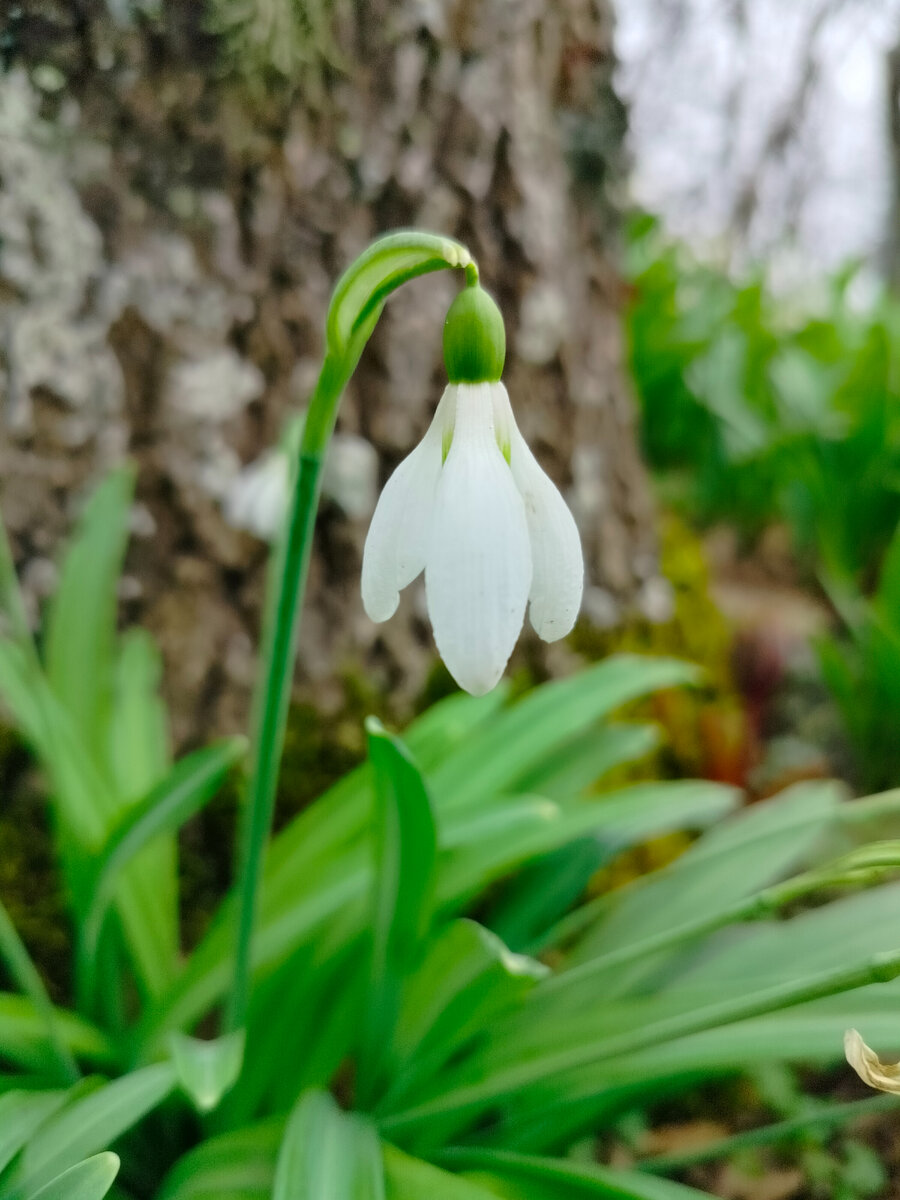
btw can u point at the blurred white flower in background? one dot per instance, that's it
(256, 499)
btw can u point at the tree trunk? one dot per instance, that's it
(186, 228)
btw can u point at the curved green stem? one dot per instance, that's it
(354, 311)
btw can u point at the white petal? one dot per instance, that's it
(558, 566)
(479, 563)
(394, 552)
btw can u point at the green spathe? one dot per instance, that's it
(474, 338)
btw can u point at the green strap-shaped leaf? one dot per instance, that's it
(565, 1180)
(139, 759)
(21, 1115)
(88, 1180)
(326, 1152)
(406, 853)
(191, 783)
(138, 753)
(468, 978)
(81, 621)
(23, 1034)
(522, 737)
(412, 1179)
(86, 805)
(90, 1124)
(229, 1166)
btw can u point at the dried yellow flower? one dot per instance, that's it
(868, 1066)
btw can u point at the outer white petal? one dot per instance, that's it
(394, 552)
(478, 570)
(558, 566)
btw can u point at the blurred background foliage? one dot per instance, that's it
(759, 409)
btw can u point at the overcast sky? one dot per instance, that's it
(708, 82)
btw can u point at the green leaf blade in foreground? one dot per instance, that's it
(406, 857)
(328, 1153)
(21, 1115)
(231, 1166)
(89, 1124)
(88, 1180)
(467, 979)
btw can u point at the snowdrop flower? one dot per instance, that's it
(472, 508)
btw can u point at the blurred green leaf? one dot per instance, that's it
(190, 785)
(493, 760)
(328, 1153)
(139, 759)
(559, 1178)
(412, 1179)
(207, 1069)
(80, 630)
(23, 1034)
(89, 1124)
(233, 1166)
(88, 1180)
(21, 1114)
(23, 972)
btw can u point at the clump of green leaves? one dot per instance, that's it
(395, 1046)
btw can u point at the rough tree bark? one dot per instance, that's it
(210, 226)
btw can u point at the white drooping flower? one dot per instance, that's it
(472, 508)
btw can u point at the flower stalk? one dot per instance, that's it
(355, 307)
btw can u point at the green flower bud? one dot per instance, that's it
(474, 338)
